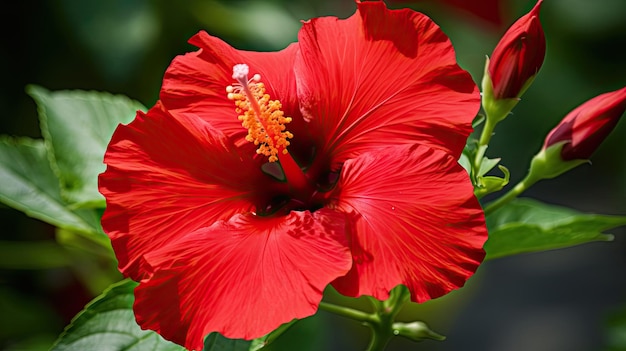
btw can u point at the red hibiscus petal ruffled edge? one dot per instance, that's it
(382, 77)
(167, 177)
(416, 222)
(243, 277)
(195, 83)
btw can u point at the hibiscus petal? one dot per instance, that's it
(167, 177)
(379, 77)
(195, 83)
(416, 222)
(243, 277)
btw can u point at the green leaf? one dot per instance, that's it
(29, 185)
(108, 323)
(262, 342)
(465, 162)
(77, 127)
(487, 165)
(526, 225)
(468, 154)
(217, 342)
(307, 334)
(490, 184)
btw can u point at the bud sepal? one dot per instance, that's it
(496, 109)
(548, 163)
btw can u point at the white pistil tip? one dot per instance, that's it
(240, 72)
(230, 89)
(256, 78)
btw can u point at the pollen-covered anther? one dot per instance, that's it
(262, 117)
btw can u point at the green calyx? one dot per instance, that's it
(548, 163)
(495, 109)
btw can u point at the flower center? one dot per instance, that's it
(266, 125)
(262, 117)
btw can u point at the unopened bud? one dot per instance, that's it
(584, 129)
(578, 135)
(518, 56)
(416, 331)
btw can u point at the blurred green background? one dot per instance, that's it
(551, 301)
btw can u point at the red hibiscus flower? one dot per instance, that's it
(344, 171)
(586, 127)
(518, 56)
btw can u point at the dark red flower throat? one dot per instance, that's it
(266, 125)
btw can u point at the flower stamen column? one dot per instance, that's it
(265, 123)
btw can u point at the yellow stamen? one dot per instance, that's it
(263, 117)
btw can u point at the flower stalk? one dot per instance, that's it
(571, 143)
(347, 312)
(382, 320)
(509, 71)
(519, 188)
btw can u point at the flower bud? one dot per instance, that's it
(416, 331)
(576, 138)
(584, 129)
(517, 58)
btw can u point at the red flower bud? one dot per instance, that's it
(588, 125)
(518, 56)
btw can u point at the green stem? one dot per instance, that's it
(495, 111)
(386, 312)
(381, 321)
(483, 143)
(348, 312)
(382, 332)
(519, 188)
(487, 132)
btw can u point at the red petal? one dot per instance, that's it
(417, 223)
(167, 177)
(242, 278)
(195, 83)
(379, 77)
